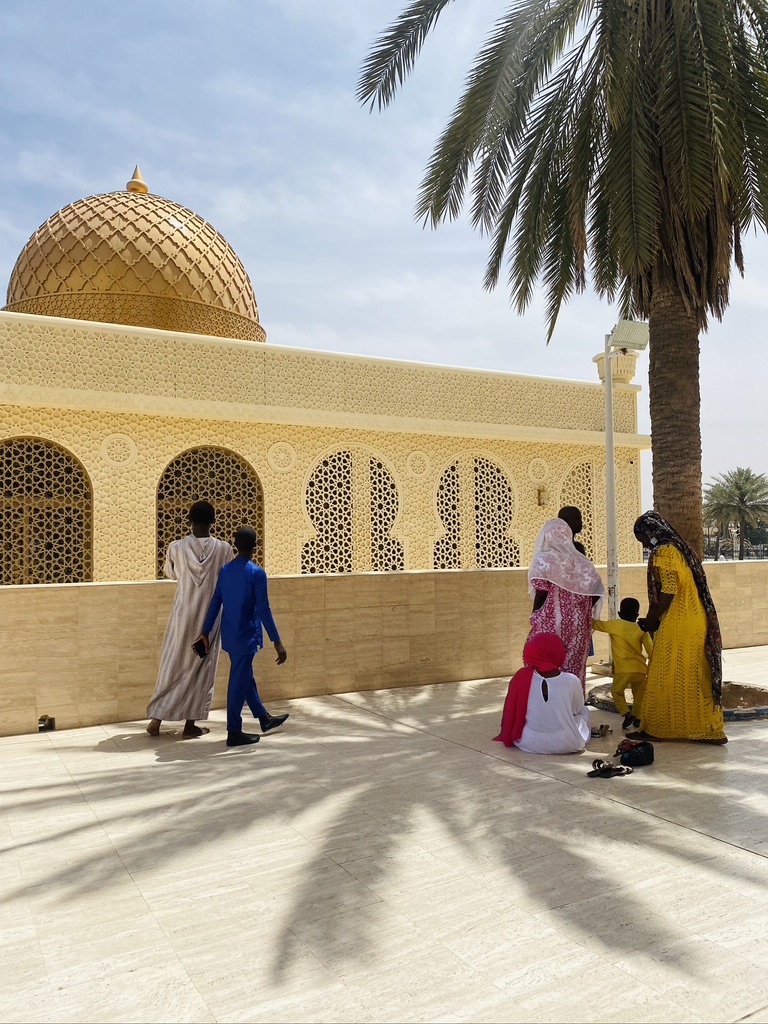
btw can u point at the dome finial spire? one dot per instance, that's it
(137, 183)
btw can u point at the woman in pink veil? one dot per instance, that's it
(565, 587)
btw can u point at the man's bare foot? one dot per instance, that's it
(154, 727)
(192, 732)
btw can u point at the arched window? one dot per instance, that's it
(476, 505)
(352, 503)
(578, 489)
(208, 474)
(46, 514)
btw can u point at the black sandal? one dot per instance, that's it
(608, 770)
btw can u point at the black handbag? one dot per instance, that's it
(635, 753)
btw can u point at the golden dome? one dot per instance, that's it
(136, 259)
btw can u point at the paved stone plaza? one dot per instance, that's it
(383, 860)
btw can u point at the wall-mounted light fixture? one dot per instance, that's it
(542, 496)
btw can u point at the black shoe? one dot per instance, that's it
(241, 739)
(269, 722)
(629, 721)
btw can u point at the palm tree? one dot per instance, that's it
(624, 137)
(740, 498)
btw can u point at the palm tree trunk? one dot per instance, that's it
(742, 532)
(675, 400)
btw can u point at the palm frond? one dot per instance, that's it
(394, 53)
(491, 111)
(627, 137)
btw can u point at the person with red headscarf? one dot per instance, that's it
(544, 712)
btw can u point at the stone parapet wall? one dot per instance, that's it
(88, 653)
(51, 361)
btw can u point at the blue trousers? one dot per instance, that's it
(242, 690)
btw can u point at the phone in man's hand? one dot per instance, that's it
(199, 648)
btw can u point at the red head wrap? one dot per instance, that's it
(545, 652)
(542, 653)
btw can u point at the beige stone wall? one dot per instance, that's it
(87, 653)
(740, 593)
(50, 361)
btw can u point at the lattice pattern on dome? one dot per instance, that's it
(209, 474)
(476, 506)
(578, 488)
(329, 506)
(161, 312)
(127, 257)
(45, 514)
(387, 553)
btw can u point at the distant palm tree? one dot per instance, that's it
(738, 498)
(629, 137)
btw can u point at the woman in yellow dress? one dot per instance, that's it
(682, 699)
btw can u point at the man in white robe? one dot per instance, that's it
(185, 682)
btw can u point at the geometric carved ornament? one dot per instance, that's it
(46, 514)
(216, 475)
(578, 489)
(476, 506)
(352, 503)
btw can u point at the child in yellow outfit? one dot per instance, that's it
(630, 668)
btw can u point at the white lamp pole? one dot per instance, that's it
(612, 560)
(627, 334)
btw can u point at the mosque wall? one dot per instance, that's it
(344, 464)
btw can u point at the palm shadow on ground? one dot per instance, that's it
(409, 826)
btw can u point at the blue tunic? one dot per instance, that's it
(242, 591)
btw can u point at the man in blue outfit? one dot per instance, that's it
(242, 591)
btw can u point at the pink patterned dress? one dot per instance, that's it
(570, 617)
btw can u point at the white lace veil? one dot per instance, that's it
(556, 559)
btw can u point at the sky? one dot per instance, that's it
(246, 113)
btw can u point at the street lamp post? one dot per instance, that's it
(627, 334)
(612, 559)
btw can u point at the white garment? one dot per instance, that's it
(556, 559)
(185, 683)
(560, 724)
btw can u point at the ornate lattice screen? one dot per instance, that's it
(387, 554)
(329, 504)
(578, 488)
(352, 503)
(476, 505)
(494, 513)
(45, 514)
(209, 474)
(448, 548)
